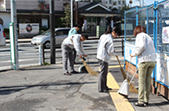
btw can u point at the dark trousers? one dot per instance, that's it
(67, 58)
(74, 54)
(102, 84)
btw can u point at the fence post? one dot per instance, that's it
(122, 47)
(41, 54)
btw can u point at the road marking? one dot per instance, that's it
(120, 102)
(115, 66)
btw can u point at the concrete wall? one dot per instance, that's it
(6, 17)
(33, 4)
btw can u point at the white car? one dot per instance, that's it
(44, 38)
(2, 36)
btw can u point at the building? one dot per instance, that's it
(90, 13)
(115, 4)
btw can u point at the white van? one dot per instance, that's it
(2, 36)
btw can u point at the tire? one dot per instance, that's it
(47, 45)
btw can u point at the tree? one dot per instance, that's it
(67, 19)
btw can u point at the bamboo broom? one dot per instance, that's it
(131, 86)
(89, 69)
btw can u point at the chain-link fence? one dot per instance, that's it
(155, 18)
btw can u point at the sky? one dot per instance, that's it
(146, 2)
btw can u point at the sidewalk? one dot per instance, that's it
(45, 88)
(156, 103)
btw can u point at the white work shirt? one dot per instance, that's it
(75, 42)
(144, 48)
(105, 47)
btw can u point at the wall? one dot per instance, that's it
(6, 17)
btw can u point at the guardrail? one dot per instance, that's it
(119, 47)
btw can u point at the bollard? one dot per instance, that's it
(41, 54)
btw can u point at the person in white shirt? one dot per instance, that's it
(105, 50)
(73, 31)
(70, 43)
(146, 62)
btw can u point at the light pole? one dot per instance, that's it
(72, 12)
(52, 29)
(14, 37)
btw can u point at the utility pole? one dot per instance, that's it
(52, 34)
(71, 13)
(76, 12)
(14, 36)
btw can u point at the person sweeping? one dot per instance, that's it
(146, 62)
(105, 50)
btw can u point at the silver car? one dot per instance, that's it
(44, 38)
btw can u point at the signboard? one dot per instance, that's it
(45, 23)
(162, 74)
(28, 28)
(165, 34)
(129, 48)
(128, 27)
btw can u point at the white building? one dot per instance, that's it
(111, 4)
(115, 4)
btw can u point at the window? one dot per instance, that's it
(65, 32)
(96, 0)
(124, 2)
(58, 33)
(114, 3)
(109, 1)
(119, 2)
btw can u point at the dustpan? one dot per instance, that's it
(124, 89)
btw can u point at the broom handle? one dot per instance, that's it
(118, 60)
(133, 77)
(129, 67)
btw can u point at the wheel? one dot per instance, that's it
(47, 45)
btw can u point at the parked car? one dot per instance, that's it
(44, 38)
(2, 36)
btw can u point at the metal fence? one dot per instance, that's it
(155, 18)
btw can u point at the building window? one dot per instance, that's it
(119, 2)
(115, 3)
(124, 2)
(96, 0)
(109, 1)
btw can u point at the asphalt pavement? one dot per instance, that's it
(45, 88)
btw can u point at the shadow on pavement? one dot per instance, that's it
(5, 90)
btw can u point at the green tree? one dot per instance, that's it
(67, 19)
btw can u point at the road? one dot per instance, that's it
(29, 55)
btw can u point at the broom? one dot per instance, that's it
(131, 86)
(89, 69)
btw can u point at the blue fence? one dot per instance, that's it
(155, 18)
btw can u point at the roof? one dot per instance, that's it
(96, 8)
